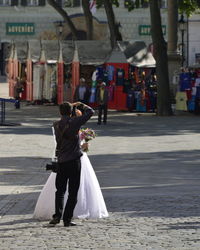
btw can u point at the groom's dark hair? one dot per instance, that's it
(65, 108)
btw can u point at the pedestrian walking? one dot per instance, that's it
(102, 101)
(18, 89)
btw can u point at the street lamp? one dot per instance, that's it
(60, 29)
(182, 28)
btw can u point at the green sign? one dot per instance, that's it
(20, 29)
(145, 30)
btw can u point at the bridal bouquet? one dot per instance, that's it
(86, 134)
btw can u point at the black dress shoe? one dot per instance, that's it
(54, 221)
(98, 123)
(69, 224)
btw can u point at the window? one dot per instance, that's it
(5, 2)
(33, 2)
(71, 3)
(67, 3)
(163, 3)
(76, 3)
(60, 2)
(144, 4)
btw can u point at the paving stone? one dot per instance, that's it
(147, 166)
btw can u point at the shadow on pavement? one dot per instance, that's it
(40, 119)
(182, 225)
(143, 184)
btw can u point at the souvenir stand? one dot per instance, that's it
(75, 71)
(22, 50)
(188, 90)
(34, 52)
(10, 71)
(17, 67)
(49, 72)
(91, 56)
(116, 70)
(141, 87)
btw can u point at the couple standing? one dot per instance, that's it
(74, 176)
(83, 93)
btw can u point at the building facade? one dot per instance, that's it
(36, 19)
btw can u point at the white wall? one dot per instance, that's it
(194, 38)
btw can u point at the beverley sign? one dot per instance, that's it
(20, 29)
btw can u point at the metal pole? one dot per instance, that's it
(1, 112)
(183, 56)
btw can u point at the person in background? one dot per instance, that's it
(18, 89)
(102, 101)
(82, 92)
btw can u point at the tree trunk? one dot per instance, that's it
(88, 19)
(172, 26)
(65, 17)
(113, 27)
(160, 47)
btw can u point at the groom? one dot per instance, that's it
(68, 152)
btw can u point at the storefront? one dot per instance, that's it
(187, 83)
(16, 67)
(52, 70)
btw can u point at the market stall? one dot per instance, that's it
(34, 51)
(141, 86)
(16, 67)
(89, 59)
(188, 89)
(116, 69)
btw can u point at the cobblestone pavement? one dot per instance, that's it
(148, 168)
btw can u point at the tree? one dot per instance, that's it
(65, 16)
(113, 26)
(88, 19)
(115, 35)
(160, 47)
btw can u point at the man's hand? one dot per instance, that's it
(77, 104)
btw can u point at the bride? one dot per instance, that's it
(90, 199)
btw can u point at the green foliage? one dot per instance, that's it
(99, 3)
(115, 2)
(188, 6)
(185, 6)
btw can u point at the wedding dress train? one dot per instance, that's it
(90, 199)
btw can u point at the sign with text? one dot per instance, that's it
(145, 30)
(20, 28)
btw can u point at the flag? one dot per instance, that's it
(93, 6)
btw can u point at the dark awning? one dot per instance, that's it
(93, 52)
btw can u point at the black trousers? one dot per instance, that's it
(67, 172)
(102, 108)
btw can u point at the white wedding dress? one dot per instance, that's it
(90, 199)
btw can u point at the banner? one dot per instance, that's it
(93, 6)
